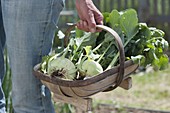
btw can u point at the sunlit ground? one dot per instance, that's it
(150, 90)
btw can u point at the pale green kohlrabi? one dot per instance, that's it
(91, 68)
(87, 66)
(62, 67)
(59, 66)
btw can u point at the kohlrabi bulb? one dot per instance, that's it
(62, 66)
(91, 68)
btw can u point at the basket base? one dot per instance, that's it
(84, 104)
(125, 84)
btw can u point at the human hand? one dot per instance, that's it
(89, 15)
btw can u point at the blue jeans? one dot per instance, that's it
(29, 27)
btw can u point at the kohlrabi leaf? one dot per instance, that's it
(144, 32)
(60, 34)
(88, 50)
(90, 54)
(129, 23)
(164, 62)
(79, 33)
(156, 32)
(114, 19)
(106, 17)
(108, 37)
(44, 63)
(139, 59)
(88, 39)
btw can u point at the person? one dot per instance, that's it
(27, 29)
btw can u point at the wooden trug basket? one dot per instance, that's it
(77, 92)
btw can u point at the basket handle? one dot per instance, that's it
(120, 76)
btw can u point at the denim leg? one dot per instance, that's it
(29, 27)
(2, 70)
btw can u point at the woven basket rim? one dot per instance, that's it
(77, 83)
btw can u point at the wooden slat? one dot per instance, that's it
(68, 91)
(126, 4)
(83, 103)
(168, 6)
(112, 78)
(159, 19)
(53, 88)
(163, 7)
(133, 3)
(100, 84)
(103, 84)
(119, 4)
(126, 84)
(95, 88)
(143, 10)
(107, 6)
(110, 108)
(155, 7)
(112, 3)
(67, 4)
(89, 90)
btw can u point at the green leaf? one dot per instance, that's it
(108, 37)
(155, 64)
(90, 53)
(88, 39)
(165, 45)
(79, 33)
(114, 19)
(164, 62)
(129, 23)
(88, 50)
(139, 59)
(144, 31)
(44, 63)
(106, 17)
(60, 34)
(156, 32)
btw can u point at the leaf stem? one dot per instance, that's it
(98, 46)
(104, 52)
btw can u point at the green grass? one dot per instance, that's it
(150, 90)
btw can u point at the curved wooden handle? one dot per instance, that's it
(120, 48)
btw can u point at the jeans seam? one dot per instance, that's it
(42, 44)
(49, 15)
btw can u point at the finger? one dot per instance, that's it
(82, 25)
(85, 26)
(91, 22)
(98, 17)
(99, 21)
(98, 30)
(79, 24)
